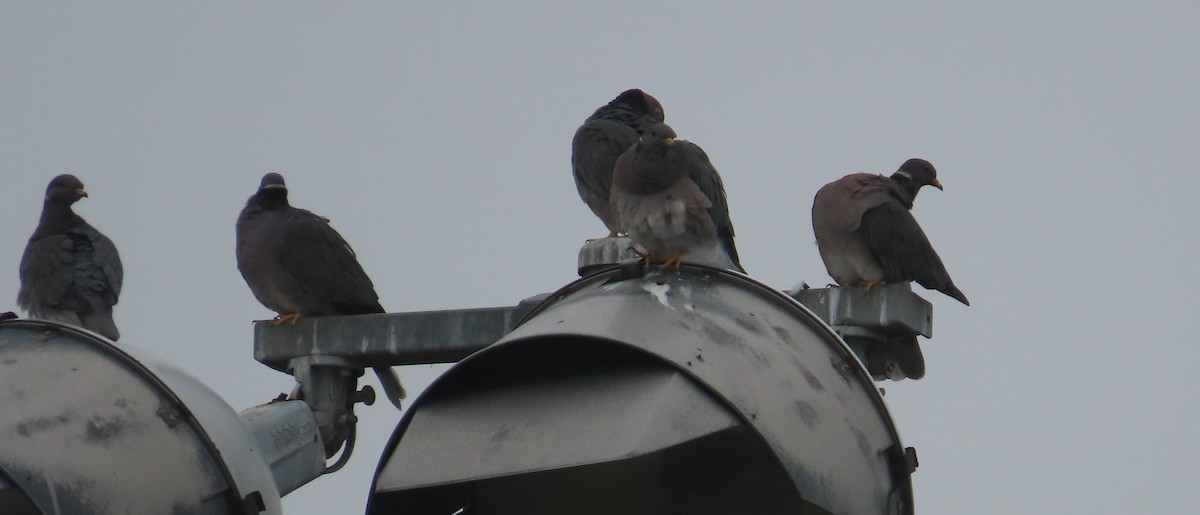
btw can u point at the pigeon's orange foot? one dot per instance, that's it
(673, 261)
(872, 284)
(292, 317)
(831, 285)
(646, 258)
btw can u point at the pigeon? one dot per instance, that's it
(867, 235)
(297, 265)
(669, 197)
(70, 272)
(602, 138)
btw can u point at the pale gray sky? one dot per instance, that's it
(436, 136)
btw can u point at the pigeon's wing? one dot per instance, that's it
(325, 265)
(900, 245)
(98, 277)
(74, 277)
(106, 274)
(47, 275)
(594, 151)
(855, 194)
(702, 172)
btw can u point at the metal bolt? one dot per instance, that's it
(365, 396)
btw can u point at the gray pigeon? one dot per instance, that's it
(70, 272)
(602, 138)
(867, 236)
(299, 266)
(670, 198)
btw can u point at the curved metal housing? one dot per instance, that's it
(698, 391)
(89, 426)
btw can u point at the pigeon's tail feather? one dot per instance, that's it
(390, 381)
(731, 250)
(102, 323)
(954, 292)
(906, 353)
(100, 318)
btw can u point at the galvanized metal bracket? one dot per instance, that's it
(327, 385)
(891, 310)
(880, 325)
(599, 254)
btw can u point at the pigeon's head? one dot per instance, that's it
(652, 167)
(272, 181)
(916, 173)
(65, 189)
(641, 102)
(659, 133)
(655, 142)
(272, 192)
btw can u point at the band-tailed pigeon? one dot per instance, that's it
(867, 236)
(70, 272)
(670, 199)
(298, 265)
(602, 138)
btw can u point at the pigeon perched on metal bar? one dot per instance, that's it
(70, 272)
(669, 197)
(299, 266)
(602, 138)
(867, 235)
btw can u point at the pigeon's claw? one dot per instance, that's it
(871, 284)
(290, 317)
(646, 258)
(672, 262)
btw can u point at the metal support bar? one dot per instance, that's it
(388, 339)
(882, 315)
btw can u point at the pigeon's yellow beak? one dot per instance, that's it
(80, 192)
(668, 141)
(936, 184)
